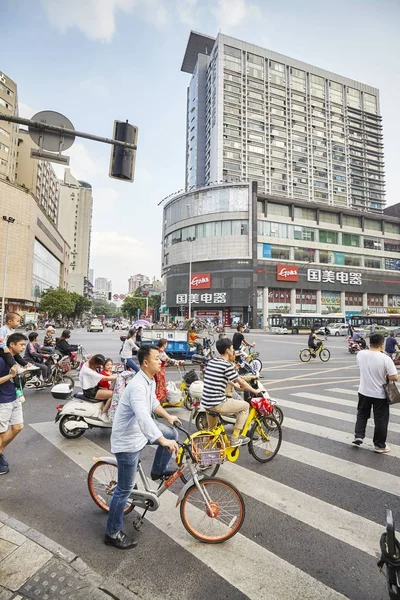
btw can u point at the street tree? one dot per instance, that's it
(82, 305)
(102, 307)
(57, 302)
(131, 304)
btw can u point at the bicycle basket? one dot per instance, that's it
(262, 405)
(65, 364)
(208, 451)
(189, 377)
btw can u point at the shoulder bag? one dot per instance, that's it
(392, 392)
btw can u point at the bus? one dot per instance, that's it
(385, 319)
(295, 323)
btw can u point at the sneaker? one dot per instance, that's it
(382, 450)
(357, 441)
(104, 417)
(3, 470)
(3, 461)
(241, 440)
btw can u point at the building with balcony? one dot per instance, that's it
(8, 131)
(298, 130)
(255, 254)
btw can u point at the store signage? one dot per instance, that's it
(330, 298)
(201, 281)
(207, 313)
(207, 298)
(267, 250)
(287, 273)
(319, 276)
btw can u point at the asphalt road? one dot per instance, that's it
(314, 515)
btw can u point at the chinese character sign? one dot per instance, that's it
(205, 298)
(327, 276)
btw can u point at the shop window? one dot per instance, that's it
(304, 233)
(373, 225)
(282, 210)
(352, 260)
(328, 237)
(392, 245)
(372, 243)
(329, 217)
(308, 214)
(392, 264)
(351, 240)
(351, 221)
(325, 257)
(372, 263)
(280, 252)
(304, 254)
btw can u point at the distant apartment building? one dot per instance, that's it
(102, 288)
(298, 130)
(8, 131)
(74, 224)
(136, 281)
(38, 176)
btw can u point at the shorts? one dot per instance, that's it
(91, 392)
(10, 414)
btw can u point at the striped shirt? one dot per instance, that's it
(217, 374)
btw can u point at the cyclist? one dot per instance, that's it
(62, 344)
(238, 340)
(219, 371)
(313, 343)
(392, 346)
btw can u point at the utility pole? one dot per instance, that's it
(190, 240)
(9, 221)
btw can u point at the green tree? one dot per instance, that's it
(56, 302)
(131, 304)
(82, 305)
(102, 307)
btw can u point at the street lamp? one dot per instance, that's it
(190, 240)
(301, 289)
(9, 221)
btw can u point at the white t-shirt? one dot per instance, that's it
(89, 378)
(128, 347)
(374, 366)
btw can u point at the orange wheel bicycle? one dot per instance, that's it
(102, 481)
(220, 519)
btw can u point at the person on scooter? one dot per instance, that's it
(127, 351)
(89, 380)
(357, 337)
(392, 346)
(63, 346)
(34, 355)
(49, 341)
(313, 343)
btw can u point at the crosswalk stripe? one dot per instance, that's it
(325, 412)
(335, 400)
(344, 391)
(259, 564)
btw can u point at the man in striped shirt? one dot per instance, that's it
(219, 372)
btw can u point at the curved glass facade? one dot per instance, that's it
(46, 270)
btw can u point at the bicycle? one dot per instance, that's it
(265, 436)
(323, 353)
(251, 360)
(211, 510)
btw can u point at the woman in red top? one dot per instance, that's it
(160, 377)
(107, 371)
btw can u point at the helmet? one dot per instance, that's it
(196, 390)
(262, 405)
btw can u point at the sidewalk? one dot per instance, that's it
(33, 567)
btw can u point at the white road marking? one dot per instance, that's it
(335, 400)
(344, 391)
(260, 565)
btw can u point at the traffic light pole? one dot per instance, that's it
(57, 129)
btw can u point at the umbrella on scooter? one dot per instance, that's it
(142, 323)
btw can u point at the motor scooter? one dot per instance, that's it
(80, 413)
(356, 345)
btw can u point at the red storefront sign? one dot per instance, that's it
(201, 281)
(287, 273)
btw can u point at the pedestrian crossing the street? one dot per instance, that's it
(314, 515)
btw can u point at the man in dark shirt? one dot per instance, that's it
(11, 417)
(238, 339)
(63, 345)
(391, 345)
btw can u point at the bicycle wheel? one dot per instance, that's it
(256, 364)
(201, 421)
(220, 521)
(324, 355)
(265, 439)
(206, 471)
(305, 355)
(187, 400)
(278, 414)
(102, 481)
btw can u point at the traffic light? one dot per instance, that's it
(122, 160)
(109, 296)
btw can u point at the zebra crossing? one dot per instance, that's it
(314, 515)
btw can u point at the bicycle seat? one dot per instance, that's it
(212, 413)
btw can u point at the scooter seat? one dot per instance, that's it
(81, 396)
(212, 413)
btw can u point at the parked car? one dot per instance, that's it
(95, 325)
(338, 329)
(108, 324)
(378, 329)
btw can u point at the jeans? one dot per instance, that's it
(130, 364)
(381, 418)
(127, 468)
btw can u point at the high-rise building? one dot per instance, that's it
(136, 281)
(298, 130)
(102, 288)
(74, 224)
(38, 176)
(8, 131)
(91, 276)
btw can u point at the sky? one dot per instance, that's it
(99, 60)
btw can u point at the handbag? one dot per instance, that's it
(392, 392)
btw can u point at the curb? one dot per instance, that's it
(109, 586)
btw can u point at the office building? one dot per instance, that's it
(102, 288)
(74, 224)
(254, 255)
(91, 276)
(8, 131)
(38, 176)
(298, 130)
(38, 256)
(136, 281)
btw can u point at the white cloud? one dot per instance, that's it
(230, 13)
(96, 18)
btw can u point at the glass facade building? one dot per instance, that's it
(46, 270)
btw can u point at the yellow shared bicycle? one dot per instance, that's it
(261, 427)
(306, 354)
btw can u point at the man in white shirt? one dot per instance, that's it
(375, 369)
(133, 428)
